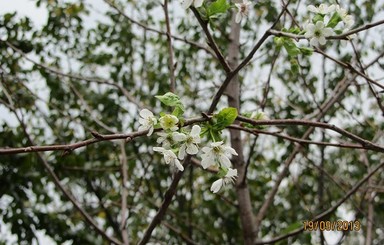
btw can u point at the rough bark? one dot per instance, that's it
(242, 191)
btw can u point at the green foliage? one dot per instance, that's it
(217, 8)
(172, 100)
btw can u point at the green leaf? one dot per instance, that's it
(291, 48)
(335, 19)
(217, 8)
(318, 17)
(279, 41)
(295, 68)
(306, 51)
(224, 118)
(178, 112)
(171, 99)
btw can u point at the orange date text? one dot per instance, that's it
(340, 225)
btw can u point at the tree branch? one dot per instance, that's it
(166, 202)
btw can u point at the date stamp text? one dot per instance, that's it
(339, 225)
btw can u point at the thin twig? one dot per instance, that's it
(211, 41)
(343, 36)
(145, 27)
(126, 93)
(166, 202)
(124, 193)
(246, 60)
(58, 184)
(170, 48)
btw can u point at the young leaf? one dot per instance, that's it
(225, 118)
(216, 8)
(291, 48)
(335, 19)
(171, 99)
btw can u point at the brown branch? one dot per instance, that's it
(339, 90)
(247, 59)
(363, 142)
(145, 27)
(125, 92)
(58, 184)
(299, 140)
(211, 41)
(124, 193)
(166, 202)
(67, 148)
(343, 36)
(170, 48)
(349, 67)
(184, 237)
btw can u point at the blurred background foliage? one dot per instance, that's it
(93, 68)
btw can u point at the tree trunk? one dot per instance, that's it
(242, 191)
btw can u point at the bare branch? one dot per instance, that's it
(211, 41)
(145, 27)
(166, 202)
(170, 48)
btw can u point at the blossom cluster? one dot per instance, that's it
(328, 20)
(173, 139)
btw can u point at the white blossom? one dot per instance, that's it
(345, 17)
(169, 122)
(242, 9)
(259, 115)
(190, 141)
(217, 151)
(187, 3)
(322, 9)
(317, 33)
(169, 157)
(228, 178)
(164, 139)
(147, 121)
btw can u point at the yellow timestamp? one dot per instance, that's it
(339, 225)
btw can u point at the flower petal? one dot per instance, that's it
(145, 113)
(195, 131)
(224, 161)
(314, 42)
(327, 32)
(159, 149)
(181, 154)
(192, 149)
(178, 164)
(218, 143)
(312, 8)
(319, 25)
(179, 136)
(150, 131)
(322, 40)
(206, 149)
(231, 173)
(198, 3)
(186, 3)
(230, 150)
(216, 186)
(207, 160)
